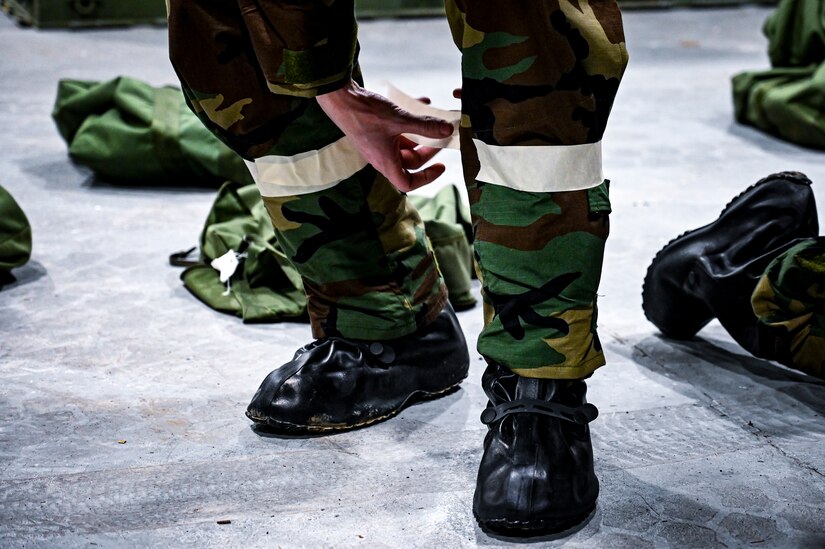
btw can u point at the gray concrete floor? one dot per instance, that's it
(698, 444)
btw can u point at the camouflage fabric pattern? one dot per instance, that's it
(534, 73)
(367, 267)
(249, 71)
(248, 68)
(538, 73)
(790, 298)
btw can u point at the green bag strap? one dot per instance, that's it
(166, 128)
(182, 259)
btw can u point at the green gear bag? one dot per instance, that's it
(15, 237)
(265, 287)
(788, 100)
(789, 103)
(129, 131)
(447, 224)
(262, 284)
(796, 33)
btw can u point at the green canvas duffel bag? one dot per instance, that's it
(129, 131)
(15, 237)
(788, 100)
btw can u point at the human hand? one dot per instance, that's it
(375, 126)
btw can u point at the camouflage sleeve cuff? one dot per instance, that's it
(323, 68)
(304, 47)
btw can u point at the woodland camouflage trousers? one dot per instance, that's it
(538, 83)
(790, 300)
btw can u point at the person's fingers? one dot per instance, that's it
(428, 126)
(426, 176)
(406, 181)
(406, 143)
(399, 177)
(412, 159)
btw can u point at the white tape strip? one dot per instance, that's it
(541, 168)
(532, 168)
(307, 172)
(415, 106)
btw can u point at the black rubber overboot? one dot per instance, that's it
(727, 288)
(337, 384)
(536, 474)
(688, 282)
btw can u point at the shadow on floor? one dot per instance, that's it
(780, 402)
(61, 173)
(769, 143)
(28, 273)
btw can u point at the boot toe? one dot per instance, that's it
(536, 497)
(279, 397)
(338, 384)
(536, 473)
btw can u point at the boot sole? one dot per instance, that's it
(282, 427)
(532, 528)
(690, 329)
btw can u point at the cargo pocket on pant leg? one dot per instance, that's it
(598, 200)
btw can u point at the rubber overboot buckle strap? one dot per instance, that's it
(580, 415)
(381, 351)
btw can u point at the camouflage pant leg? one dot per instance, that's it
(539, 79)
(790, 299)
(367, 267)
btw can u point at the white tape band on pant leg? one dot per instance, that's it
(541, 168)
(306, 172)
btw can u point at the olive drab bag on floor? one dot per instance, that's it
(255, 279)
(242, 270)
(789, 100)
(129, 131)
(15, 237)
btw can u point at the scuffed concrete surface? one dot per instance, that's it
(698, 444)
